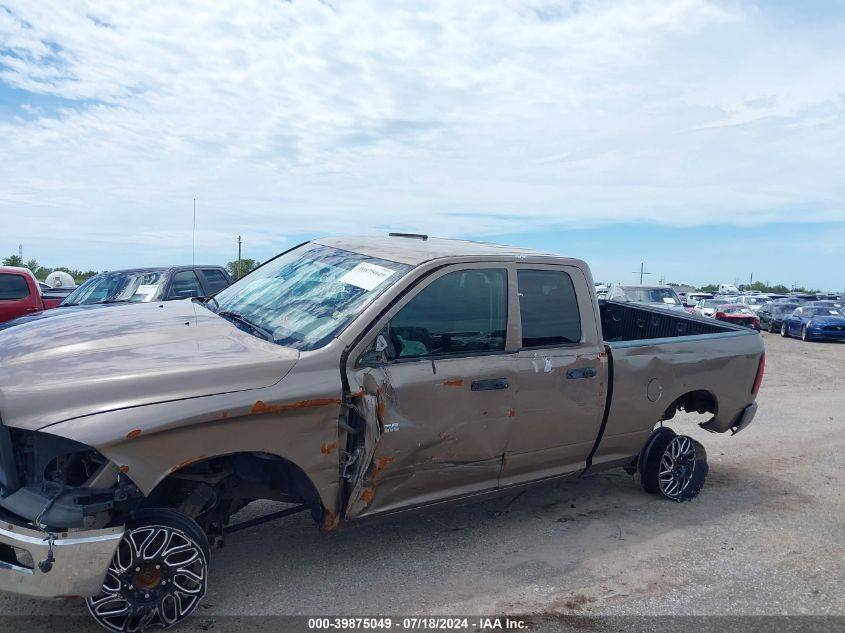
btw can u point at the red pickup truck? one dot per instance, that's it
(20, 294)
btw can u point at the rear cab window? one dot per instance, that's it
(216, 280)
(548, 308)
(13, 287)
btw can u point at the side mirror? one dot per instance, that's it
(720, 315)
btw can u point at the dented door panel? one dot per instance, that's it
(435, 436)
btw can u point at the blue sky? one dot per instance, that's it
(702, 137)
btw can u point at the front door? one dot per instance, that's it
(439, 409)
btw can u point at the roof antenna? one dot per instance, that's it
(194, 238)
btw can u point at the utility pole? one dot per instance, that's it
(20, 253)
(751, 281)
(238, 269)
(641, 272)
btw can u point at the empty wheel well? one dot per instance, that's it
(212, 490)
(693, 402)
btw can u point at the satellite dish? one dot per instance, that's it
(60, 279)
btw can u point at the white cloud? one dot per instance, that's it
(443, 116)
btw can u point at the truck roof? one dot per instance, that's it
(16, 270)
(415, 250)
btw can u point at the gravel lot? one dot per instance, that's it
(765, 537)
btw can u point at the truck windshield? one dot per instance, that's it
(138, 286)
(639, 294)
(305, 297)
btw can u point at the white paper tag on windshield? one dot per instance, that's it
(148, 290)
(669, 300)
(366, 276)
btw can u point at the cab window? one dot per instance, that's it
(462, 312)
(548, 308)
(13, 287)
(185, 284)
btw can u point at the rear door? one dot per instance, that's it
(16, 297)
(438, 411)
(562, 375)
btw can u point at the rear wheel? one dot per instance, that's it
(158, 575)
(783, 331)
(772, 329)
(674, 466)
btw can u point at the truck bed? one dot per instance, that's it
(621, 321)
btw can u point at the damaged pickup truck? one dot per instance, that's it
(348, 377)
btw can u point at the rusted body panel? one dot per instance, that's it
(296, 419)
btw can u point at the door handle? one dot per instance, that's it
(489, 385)
(581, 372)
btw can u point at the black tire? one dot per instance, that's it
(158, 576)
(674, 466)
(805, 335)
(783, 331)
(772, 329)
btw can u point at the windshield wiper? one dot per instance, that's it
(114, 301)
(237, 316)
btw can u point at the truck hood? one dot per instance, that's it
(91, 361)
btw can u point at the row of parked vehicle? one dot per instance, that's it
(805, 316)
(23, 298)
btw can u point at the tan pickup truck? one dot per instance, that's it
(348, 377)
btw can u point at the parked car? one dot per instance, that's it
(755, 302)
(814, 324)
(20, 294)
(707, 307)
(824, 303)
(350, 376)
(694, 297)
(774, 296)
(138, 285)
(772, 314)
(738, 314)
(728, 289)
(801, 298)
(655, 296)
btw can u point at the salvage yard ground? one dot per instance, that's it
(765, 536)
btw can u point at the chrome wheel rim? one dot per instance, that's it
(677, 466)
(157, 577)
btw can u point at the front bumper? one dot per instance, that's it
(81, 560)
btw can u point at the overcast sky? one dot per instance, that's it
(705, 138)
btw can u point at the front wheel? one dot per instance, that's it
(805, 335)
(158, 575)
(772, 329)
(783, 331)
